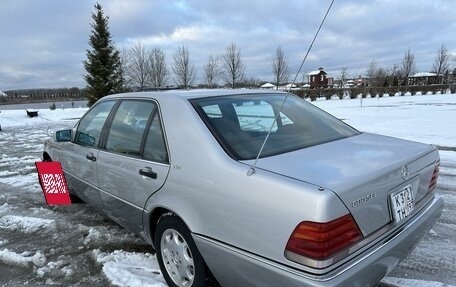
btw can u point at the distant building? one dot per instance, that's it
(349, 84)
(423, 79)
(362, 81)
(452, 77)
(318, 79)
(268, 86)
(2, 94)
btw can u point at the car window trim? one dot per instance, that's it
(204, 117)
(98, 147)
(108, 123)
(230, 151)
(157, 112)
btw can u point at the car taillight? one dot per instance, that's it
(434, 177)
(323, 240)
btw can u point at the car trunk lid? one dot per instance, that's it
(363, 170)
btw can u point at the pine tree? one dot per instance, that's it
(103, 64)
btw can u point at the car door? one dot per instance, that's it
(79, 157)
(133, 163)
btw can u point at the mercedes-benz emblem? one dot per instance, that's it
(405, 172)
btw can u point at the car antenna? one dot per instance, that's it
(253, 166)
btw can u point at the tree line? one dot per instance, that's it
(140, 68)
(39, 95)
(146, 68)
(399, 74)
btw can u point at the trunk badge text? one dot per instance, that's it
(364, 199)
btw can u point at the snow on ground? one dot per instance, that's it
(26, 224)
(17, 118)
(75, 245)
(130, 268)
(23, 259)
(425, 119)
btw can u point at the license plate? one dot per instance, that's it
(402, 203)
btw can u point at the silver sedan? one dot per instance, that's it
(251, 188)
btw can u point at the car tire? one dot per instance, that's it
(180, 261)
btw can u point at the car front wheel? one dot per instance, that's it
(180, 262)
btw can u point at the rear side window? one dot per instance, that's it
(91, 125)
(155, 147)
(128, 126)
(136, 130)
(240, 123)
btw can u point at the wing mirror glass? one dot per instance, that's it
(63, 136)
(85, 139)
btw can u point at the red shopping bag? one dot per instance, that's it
(53, 183)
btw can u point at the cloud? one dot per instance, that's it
(44, 41)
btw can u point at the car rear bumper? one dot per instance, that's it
(235, 267)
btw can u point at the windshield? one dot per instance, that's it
(241, 122)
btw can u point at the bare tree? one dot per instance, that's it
(184, 70)
(124, 69)
(371, 73)
(343, 76)
(395, 74)
(249, 82)
(381, 77)
(138, 66)
(212, 70)
(233, 68)
(280, 68)
(408, 66)
(158, 69)
(378, 76)
(441, 64)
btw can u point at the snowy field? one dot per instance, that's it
(76, 246)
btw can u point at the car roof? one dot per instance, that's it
(191, 94)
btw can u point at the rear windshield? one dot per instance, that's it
(241, 122)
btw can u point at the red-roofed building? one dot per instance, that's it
(318, 79)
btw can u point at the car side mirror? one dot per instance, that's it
(63, 136)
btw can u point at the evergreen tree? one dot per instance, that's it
(103, 64)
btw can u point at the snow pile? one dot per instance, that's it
(93, 235)
(57, 268)
(102, 234)
(130, 268)
(23, 259)
(26, 224)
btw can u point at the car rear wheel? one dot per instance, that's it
(180, 262)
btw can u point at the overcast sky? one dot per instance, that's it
(43, 42)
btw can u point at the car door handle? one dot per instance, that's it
(91, 157)
(148, 172)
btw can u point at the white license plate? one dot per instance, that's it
(402, 203)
